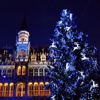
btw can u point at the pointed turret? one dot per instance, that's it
(24, 24)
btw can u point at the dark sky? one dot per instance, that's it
(42, 15)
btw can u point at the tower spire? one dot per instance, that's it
(24, 24)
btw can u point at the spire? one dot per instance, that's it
(24, 24)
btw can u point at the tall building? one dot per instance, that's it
(23, 70)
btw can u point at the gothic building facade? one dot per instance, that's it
(23, 71)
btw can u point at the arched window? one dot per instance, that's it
(35, 89)
(1, 89)
(45, 71)
(19, 70)
(9, 73)
(30, 89)
(41, 86)
(4, 71)
(41, 72)
(11, 88)
(36, 72)
(20, 90)
(24, 70)
(6, 90)
(47, 92)
(30, 72)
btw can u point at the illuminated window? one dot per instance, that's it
(1, 89)
(41, 72)
(36, 72)
(4, 51)
(35, 89)
(19, 70)
(33, 58)
(9, 73)
(47, 92)
(6, 90)
(41, 86)
(11, 88)
(43, 57)
(9, 55)
(20, 90)
(23, 70)
(30, 89)
(30, 72)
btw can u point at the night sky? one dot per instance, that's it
(42, 16)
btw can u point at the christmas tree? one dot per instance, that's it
(74, 72)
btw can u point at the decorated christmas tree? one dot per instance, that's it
(74, 72)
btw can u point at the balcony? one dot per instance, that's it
(21, 59)
(22, 42)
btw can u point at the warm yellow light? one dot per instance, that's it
(24, 32)
(23, 66)
(20, 83)
(5, 84)
(1, 84)
(30, 83)
(46, 83)
(41, 83)
(11, 84)
(23, 70)
(19, 67)
(35, 83)
(19, 70)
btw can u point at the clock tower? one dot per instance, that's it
(23, 44)
(22, 52)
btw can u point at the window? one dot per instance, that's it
(20, 90)
(12, 72)
(30, 72)
(9, 73)
(24, 70)
(22, 53)
(11, 88)
(47, 92)
(30, 89)
(1, 89)
(41, 86)
(43, 57)
(4, 71)
(36, 72)
(41, 72)
(6, 90)
(35, 89)
(45, 71)
(19, 70)
(9, 55)
(33, 58)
